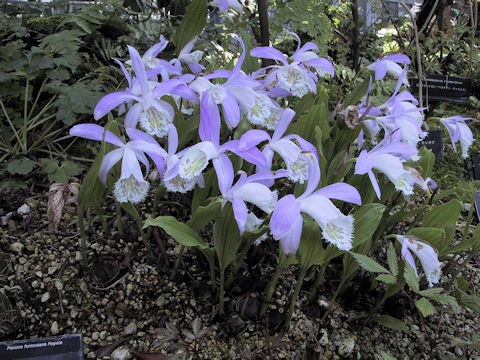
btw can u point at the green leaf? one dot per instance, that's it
(446, 300)
(386, 356)
(445, 217)
(391, 322)
(411, 278)
(367, 219)
(470, 301)
(368, 263)
(426, 161)
(60, 173)
(227, 237)
(305, 103)
(357, 94)
(200, 195)
(392, 259)
(250, 63)
(425, 307)
(389, 279)
(431, 235)
(311, 251)
(180, 232)
(130, 209)
(22, 166)
(305, 124)
(192, 24)
(203, 215)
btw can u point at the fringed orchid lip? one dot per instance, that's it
(427, 255)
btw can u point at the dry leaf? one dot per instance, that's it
(59, 195)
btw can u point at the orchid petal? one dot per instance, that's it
(224, 170)
(240, 213)
(284, 217)
(96, 132)
(267, 52)
(108, 161)
(340, 191)
(111, 101)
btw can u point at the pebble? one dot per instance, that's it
(324, 338)
(54, 328)
(160, 301)
(23, 210)
(130, 329)
(78, 256)
(73, 313)
(45, 297)
(35, 284)
(95, 335)
(121, 353)
(17, 247)
(346, 348)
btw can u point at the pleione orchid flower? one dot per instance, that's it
(248, 189)
(131, 186)
(295, 156)
(287, 222)
(389, 65)
(387, 158)
(189, 57)
(153, 113)
(459, 132)
(295, 77)
(427, 255)
(235, 94)
(224, 5)
(196, 158)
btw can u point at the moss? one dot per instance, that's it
(46, 25)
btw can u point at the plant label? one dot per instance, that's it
(474, 165)
(434, 142)
(444, 88)
(65, 347)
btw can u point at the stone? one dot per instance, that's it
(130, 329)
(324, 338)
(346, 348)
(17, 247)
(23, 210)
(121, 353)
(54, 328)
(45, 297)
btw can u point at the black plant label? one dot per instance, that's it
(64, 347)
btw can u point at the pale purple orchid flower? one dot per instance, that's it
(154, 65)
(235, 94)
(459, 132)
(189, 57)
(196, 158)
(153, 113)
(427, 255)
(294, 156)
(248, 189)
(389, 65)
(387, 157)
(287, 222)
(224, 5)
(295, 77)
(131, 186)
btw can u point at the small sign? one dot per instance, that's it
(444, 88)
(474, 165)
(65, 347)
(434, 142)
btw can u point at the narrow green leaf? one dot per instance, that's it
(311, 251)
(411, 278)
(368, 263)
(386, 356)
(425, 307)
(470, 301)
(431, 235)
(391, 322)
(367, 219)
(203, 215)
(180, 232)
(357, 94)
(192, 24)
(389, 279)
(392, 259)
(226, 236)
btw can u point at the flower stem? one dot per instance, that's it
(221, 304)
(83, 239)
(173, 274)
(119, 219)
(318, 282)
(293, 301)
(156, 199)
(272, 284)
